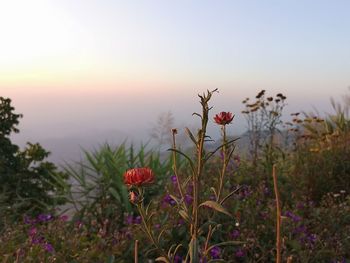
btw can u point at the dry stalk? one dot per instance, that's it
(278, 217)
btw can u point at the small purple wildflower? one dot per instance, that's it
(128, 220)
(235, 234)
(48, 247)
(215, 252)
(240, 253)
(188, 199)
(189, 189)
(173, 178)
(292, 216)
(137, 220)
(28, 220)
(168, 200)
(44, 218)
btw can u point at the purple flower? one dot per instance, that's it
(128, 220)
(28, 220)
(292, 216)
(312, 238)
(215, 252)
(235, 234)
(173, 179)
(48, 247)
(240, 253)
(39, 240)
(44, 218)
(167, 199)
(188, 199)
(190, 189)
(137, 220)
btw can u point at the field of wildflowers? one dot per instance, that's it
(286, 199)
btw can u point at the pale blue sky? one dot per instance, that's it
(99, 63)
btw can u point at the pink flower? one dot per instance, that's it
(138, 177)
(223, 118)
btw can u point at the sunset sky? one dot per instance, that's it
(73, 66)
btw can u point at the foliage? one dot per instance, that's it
(29, 184)
(98, 191)
(322, 153)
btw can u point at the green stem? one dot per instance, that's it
(176, 173)
(149, 231)
(225, 163)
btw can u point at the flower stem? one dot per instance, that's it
(175, 171)
(278, 216)
(136, 251)
(225, 162)
(149, 231)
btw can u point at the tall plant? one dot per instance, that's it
(201, 226)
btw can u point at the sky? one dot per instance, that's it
(76, 67)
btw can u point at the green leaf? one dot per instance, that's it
(114, 193)
(216, 206)
(184, 155)
(193, 139)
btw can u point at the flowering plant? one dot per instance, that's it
(223, 118)
(138, 177)
(200, 223)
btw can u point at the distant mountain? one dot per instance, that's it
(70, 148)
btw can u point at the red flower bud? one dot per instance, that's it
(133, 197)
(138, 177)
(223, 118)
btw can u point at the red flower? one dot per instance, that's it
(138, 176)
(223, 118)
